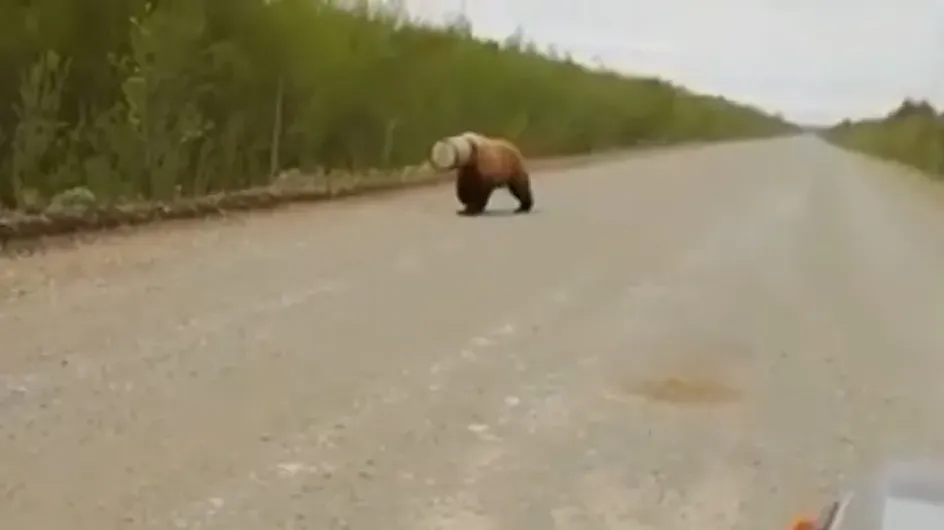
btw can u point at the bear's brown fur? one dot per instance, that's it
(492, 163)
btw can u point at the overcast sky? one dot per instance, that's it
(814, 61)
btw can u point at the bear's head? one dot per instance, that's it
(454, 151)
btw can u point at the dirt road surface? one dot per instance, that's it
(710, 338)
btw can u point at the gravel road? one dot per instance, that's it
(706, 338)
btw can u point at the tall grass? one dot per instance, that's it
(912, 134)
(119, 100)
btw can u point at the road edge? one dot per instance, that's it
(30, 232)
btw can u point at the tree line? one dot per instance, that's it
(160, 99)
(912, 133)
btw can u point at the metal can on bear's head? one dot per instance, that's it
(450, 153)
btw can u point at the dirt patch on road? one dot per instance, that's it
(684, 376)
(684, 390)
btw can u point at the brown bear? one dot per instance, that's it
(483, 164)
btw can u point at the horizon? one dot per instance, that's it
(826, 55)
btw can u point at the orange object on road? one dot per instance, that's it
(803, 523)
(899, 495)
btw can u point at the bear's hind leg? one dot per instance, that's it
(520, 188)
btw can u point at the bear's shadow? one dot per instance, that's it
(496, 213)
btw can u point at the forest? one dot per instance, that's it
(116, 101)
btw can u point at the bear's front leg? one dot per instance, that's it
(472, 192)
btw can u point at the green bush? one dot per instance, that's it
(912, 134)
(136, 99)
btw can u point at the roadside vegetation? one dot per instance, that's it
(113, 102)
(912, 134)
